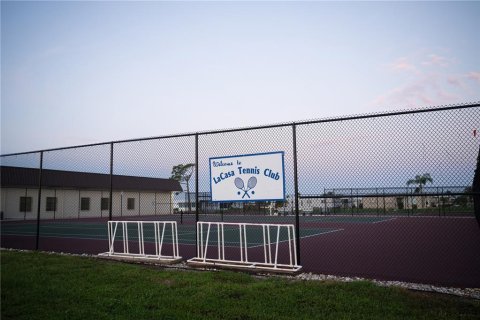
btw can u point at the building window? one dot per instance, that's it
(25, 204)
(131, 203)
(85, 204)
(51, 204)
(105, 203)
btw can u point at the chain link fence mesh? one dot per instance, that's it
(19, 200)
(383, 195)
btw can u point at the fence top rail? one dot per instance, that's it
(245, 224)
(386, 195)
(393, 188)
(141, 221)
(278, 125)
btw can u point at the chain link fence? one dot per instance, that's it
(388, 195)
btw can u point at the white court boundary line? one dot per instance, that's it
(391, 219)
(231, 244)
(309, 236)
(53, 236)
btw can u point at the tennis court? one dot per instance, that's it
(415, 249)
(186, 232)
(96, 228)
(392, 196)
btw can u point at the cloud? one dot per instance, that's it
(446, 96)
(428, 89)
(431, 82)
(473, 75)
(455, 81)
(436, 60)
(409, 94)
(461, 80)
(425, 91)
(403, 65)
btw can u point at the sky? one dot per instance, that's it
(75, 73)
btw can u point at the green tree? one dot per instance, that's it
(182, 173)
(281, 204)
(462, 200)
(469, 190)
(420, 181)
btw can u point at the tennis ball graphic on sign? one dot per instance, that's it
(252, 182)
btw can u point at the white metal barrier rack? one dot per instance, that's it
(119, 229)
(270, 259)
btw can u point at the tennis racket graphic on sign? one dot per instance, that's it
(239, 183)
(252, 182)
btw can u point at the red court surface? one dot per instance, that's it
(441, 251)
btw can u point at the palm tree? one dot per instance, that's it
(420, 180)
(182, 173)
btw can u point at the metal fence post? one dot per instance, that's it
(110, 201)
(25, 208)
(39, 203)
(295, 177)
(476, 190)
(351, 200)
(196, 190)
(196, 177)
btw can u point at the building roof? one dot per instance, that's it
(20, 177)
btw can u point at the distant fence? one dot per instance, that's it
(418, 163)
(441, 201)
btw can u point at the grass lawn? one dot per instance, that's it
(50, 286)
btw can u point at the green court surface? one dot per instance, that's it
(288, 218)
(186, 233)
(57, 229)
(255, 236)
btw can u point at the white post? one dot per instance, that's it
(294, 246)
(218, 241)
(177, 254)
(240, 240)
(245, 241)
(161, 240)
(289, 244)
(223, 242)
(276, 250)
(206, 242)
(264, 243)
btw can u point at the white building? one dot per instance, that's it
(67, 194)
